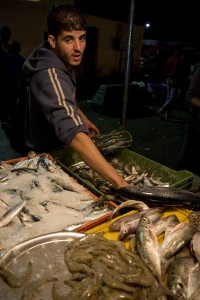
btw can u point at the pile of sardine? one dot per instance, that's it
(113, 141)
(38, 197)
(131, 173)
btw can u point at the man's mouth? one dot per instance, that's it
(76, 57)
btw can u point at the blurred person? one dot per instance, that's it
(176, 74)
(15, 85)
(14, 77)
(189, 157)
(5, 36)
(53, 118)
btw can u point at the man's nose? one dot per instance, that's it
(77, 45)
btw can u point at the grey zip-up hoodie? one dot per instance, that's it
(52, 118)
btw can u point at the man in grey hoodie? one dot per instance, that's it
(53, 119)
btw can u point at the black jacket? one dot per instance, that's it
(52, 119)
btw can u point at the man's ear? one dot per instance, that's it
(52, 41)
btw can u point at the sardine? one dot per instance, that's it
(116, 225)
(62, 183)
(183, 277)
(176, 239)
(195, 245)
(130, 228)
(148, 248)
(11, 213)
(161, 225)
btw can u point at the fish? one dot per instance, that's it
(62, 183)
(116, 225)
(195, 245)
(24, 169)
(159, 195)
(3, 177)
(148, 248)
(176, 239)
(11, 213)
(138, 205)
(45, 162)
(130, 228)
(161, 225)
(183, 277)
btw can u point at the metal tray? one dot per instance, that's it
(46, 253)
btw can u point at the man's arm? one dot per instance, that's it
(90, 154)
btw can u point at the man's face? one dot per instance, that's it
(69, 46)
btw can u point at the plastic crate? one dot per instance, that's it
(180, 179)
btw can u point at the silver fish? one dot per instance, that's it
(161, 225)
(148, 248)
(183, 277)
(166, 196)
(176, 239)
(130, 228)
(139, 205)
(116, 225)
(195, 245)
(11, 213)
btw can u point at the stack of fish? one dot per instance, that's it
(38, 197)
(169, 248)
(113, 141)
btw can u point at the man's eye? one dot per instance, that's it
(68, 40)
(83, 38)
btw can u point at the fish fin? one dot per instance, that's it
(163, 290)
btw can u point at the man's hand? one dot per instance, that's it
(93, 130)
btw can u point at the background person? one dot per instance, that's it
(5, 36)
(53, 119)
(190, 153)
(174, 70)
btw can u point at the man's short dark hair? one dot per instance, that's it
(65, 17)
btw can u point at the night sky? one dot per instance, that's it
(170, 20)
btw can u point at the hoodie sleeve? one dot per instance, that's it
(54, 90)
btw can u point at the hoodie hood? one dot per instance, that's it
(42, 58)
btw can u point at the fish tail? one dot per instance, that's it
(163, 290)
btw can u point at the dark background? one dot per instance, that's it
(170, 20)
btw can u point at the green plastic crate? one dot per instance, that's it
(180, 179)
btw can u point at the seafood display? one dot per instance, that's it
(131, 173)
(38, 197)
(148, 253)
(91, 266)
(162, 241)
(158, 259)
